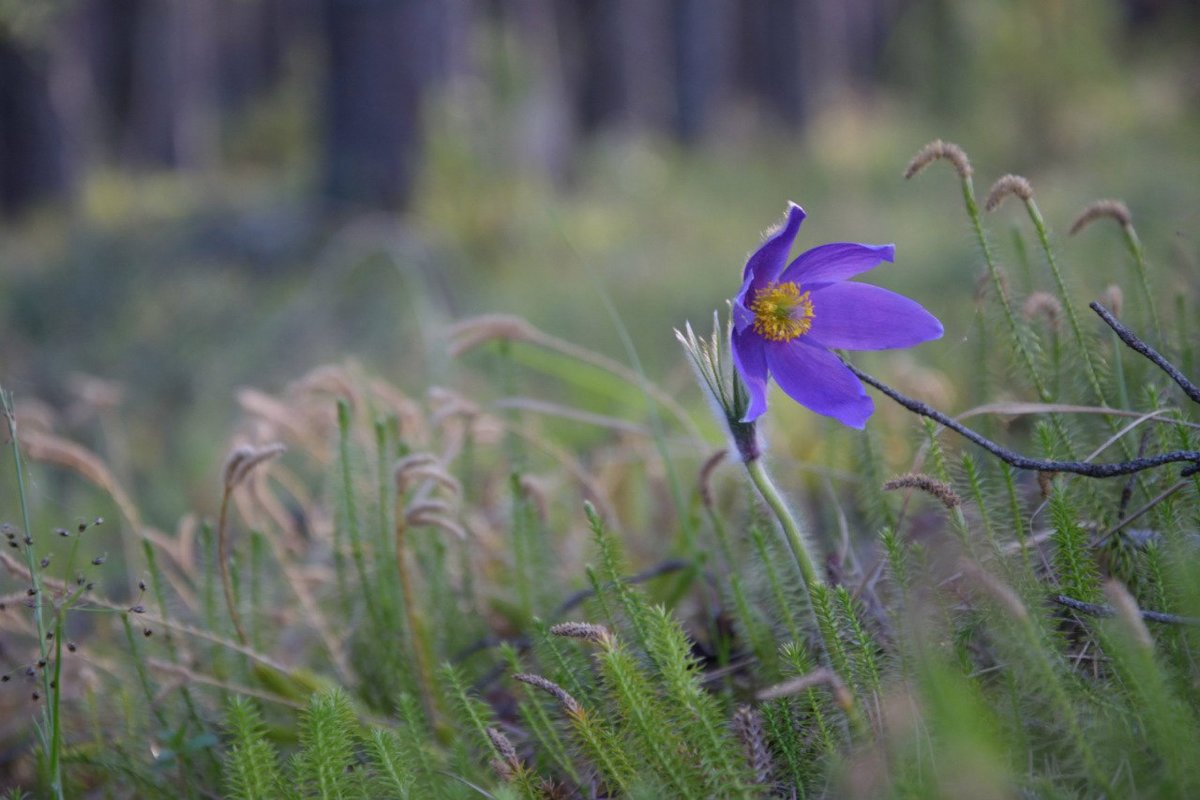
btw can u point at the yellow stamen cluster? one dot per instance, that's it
(781, 312)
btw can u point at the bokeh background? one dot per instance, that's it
(200, 195)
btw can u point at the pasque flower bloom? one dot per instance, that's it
(788, 316)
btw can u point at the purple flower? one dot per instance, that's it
(788, 316)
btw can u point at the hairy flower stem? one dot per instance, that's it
(795, 538)
(804, 560)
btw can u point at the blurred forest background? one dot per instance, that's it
(203, 194)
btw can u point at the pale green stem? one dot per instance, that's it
(1014, 330)
(1039, 224)
(808, 572)
(49, 688)
(1139, 264)
(791, 530)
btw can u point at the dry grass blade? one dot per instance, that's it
(474, 332)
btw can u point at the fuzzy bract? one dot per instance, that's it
(789, 316)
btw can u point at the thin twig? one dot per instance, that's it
(1134, 343)
(1023, 462)
(1098, 610)
(1151, 503)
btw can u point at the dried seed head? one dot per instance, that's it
(569, 703)
(502, 744)
(418, 467)
(1046, 305)
(434, 514)
(597, 634)
(1009, 184)
(939, 149)
(1113, 209)
(747, 725)
(1113, 299)
(926, 483)
(821, 675)
(244, 459)
(473, 332)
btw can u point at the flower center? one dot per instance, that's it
(781, 312)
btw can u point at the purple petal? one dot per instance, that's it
(836, 262)
(765, 263)
(751, 363)
(859, 316)
(817, 379)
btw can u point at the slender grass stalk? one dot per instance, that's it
(418, 640)
(1117, 211)
(223, 557)
(50, 689)
(350, 507)
(1015, 331)
(1039, 224)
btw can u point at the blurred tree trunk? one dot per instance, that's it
(383, 58)
(172, 116)
(545, 134)
(770, 66)
(702, 54)
(32, 163)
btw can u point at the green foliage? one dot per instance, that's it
(251, 763)
(1073, 560)
(409, 556)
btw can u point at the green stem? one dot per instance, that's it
(791, 530)
(1139, 264)
(49, 688)
(1014, 330)
(1039, 224)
